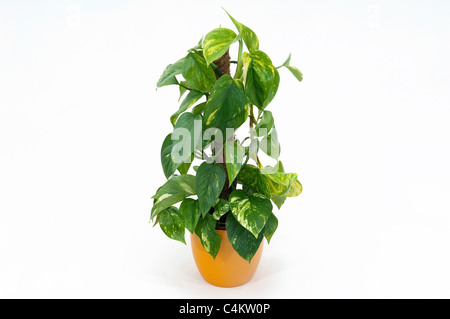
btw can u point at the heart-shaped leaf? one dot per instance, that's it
(173, 191)
(243, 241)
(250, 38)
(188, 101)
(264, 125)
(197, 73)
(171, 222)
(234, 155)
(261, 78)
(227, 105)
(191, 214)
(216, 43)
(251, 211)
(271, 227)
(295, 71)
(168, 76)
(251, 177)
(210, 239)
(209, 180)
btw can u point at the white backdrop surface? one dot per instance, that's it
(81, 126)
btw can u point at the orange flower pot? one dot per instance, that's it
(228, 269)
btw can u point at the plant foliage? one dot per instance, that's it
(230, 186)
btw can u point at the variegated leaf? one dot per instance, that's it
(197, 73)
(173, 191)
(261, 78)
(216, 43)
(168, 76)
(250, 38)
(172, 223)
(227, 105)
(251, 211)
(242, 241)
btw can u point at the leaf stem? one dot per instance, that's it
(253, 121)
(216, 69)
(252, 118)
(185, 87)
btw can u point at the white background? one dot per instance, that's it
(368, 132)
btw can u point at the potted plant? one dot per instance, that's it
(225, 200)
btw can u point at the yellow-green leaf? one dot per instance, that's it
(171, 222)
(251, 211)
(261, 78)
(216, 43)
(250, 38)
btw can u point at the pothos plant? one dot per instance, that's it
(230, 188)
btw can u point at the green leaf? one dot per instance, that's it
(168, 76)
(243, 241)
(195, 71)
(282, 185)
(184, 167)
(216, 43)
(191, 214)
(264, 125)
(288, 60)
(295, 190)
(273, 88)
(261, 78)
(183, 89)
(296, 72)
(250, 38)
(251, 177)
(271, 227)
(190, 99)
(251, 211)
(227, 105)
(188, 122)
(172, 223)
(221, 208)
(210, 239)
(234, 155)
(198, 46)
(278, 200)
(270, 145)
(170, 160)
(198, 109)
(173, 191)
(169, 167)
(210, 180)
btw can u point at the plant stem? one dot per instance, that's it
(253, 121)
(252, 117)
(185, 87)
(238, 73)
(216, 69)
